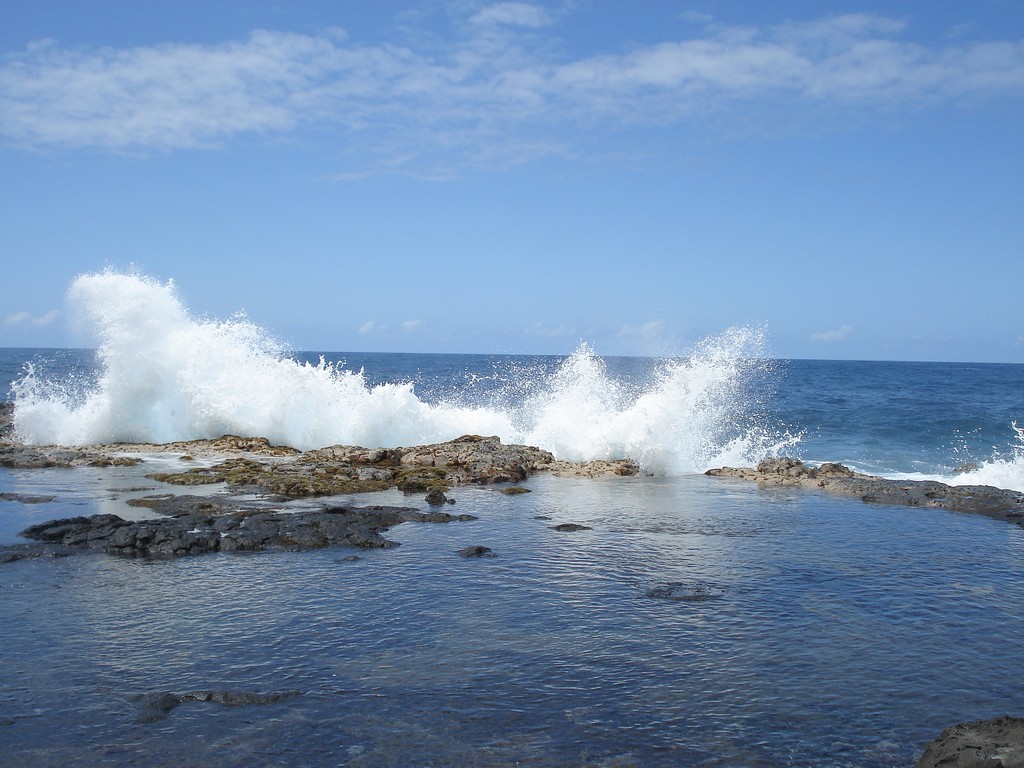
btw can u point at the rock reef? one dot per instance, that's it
(194, 525)
(186, 524)
(156, 706)
(252, 462)
(837, 479)
(996, 743)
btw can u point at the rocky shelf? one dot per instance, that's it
(837, 479)
(193, 525)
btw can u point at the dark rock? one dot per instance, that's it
(17, 552)
(196, 525)
(696, 592)
(436, 497)
(570, 527)
(156, 706)
(998, 503)
(997, 743)
(25, 499)
(6, 420)
(515, 490)
(476, 551)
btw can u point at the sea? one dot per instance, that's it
(694, 621)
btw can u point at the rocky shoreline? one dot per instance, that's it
(184, 524)
(997, 503)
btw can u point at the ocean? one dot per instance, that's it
(834, 633)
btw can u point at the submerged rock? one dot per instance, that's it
(22, 498)
(997, 743)
(696, 592)
(476, 551)
(156, 706)
(985, 500)
(570, 527)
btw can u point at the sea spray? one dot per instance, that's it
(165, 375)
(1000, 470)
(697, 412)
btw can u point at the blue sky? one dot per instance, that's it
(515, 177)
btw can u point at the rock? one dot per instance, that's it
(515, 490)
(697, 592)
(253, 463)
(570, 527)
(835, 478)
(156, 706)
(476, 551)
(19, 456)
(25, 499)
(17, 552)
(193, 525)
(6, 420)
(997, 743)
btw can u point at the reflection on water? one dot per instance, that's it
(837, 634)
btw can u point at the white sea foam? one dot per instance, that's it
(167, 376)
(999, 471)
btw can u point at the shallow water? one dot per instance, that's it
(838, 634)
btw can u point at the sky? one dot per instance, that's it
(518, 177)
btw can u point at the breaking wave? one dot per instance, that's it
(164, 375)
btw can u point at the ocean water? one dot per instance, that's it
(836, 633)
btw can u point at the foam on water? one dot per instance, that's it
(999, 471)
(166, 375)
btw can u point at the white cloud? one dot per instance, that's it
(500, 92)
(646, 330)
(25, 318)
(513, 14)
(371, 326)
(828, 336)
(409, 326)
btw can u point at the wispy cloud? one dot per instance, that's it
(25, 319)
(552, 331)
(514, 14)
(408, 326)
(371, 326)
(837, 334)
(500, 92)
(645, 330)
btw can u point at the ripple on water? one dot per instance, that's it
(838, 634)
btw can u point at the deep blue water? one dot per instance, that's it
(840, 634)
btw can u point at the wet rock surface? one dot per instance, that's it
(190, 525)
(195, 525)
(18, 456)
(6, 420)
(835, 478)
(996, 743)
(252, 462)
